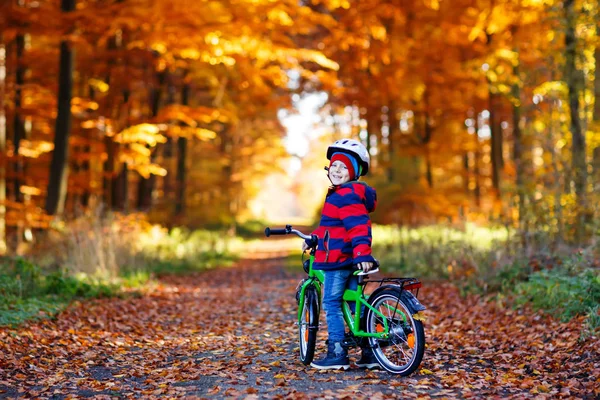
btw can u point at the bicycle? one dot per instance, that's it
(390, 321)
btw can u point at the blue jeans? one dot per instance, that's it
(333, 293)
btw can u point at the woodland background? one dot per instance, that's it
(138, 132)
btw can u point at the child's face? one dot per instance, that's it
(338, 173)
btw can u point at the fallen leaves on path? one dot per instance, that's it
(230, 333)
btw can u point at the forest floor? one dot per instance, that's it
(230, 333)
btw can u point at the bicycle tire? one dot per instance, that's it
(403, 351)
(308, 325)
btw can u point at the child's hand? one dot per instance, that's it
(365, 266)
(304, 246)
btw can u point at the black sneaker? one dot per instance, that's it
(337, 358)
(368, 360)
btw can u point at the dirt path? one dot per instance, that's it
(230, 333)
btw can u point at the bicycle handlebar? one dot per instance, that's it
(286, 231)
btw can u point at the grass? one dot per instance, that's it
(98, 257)
(564, 294)
(438, 252)
(27, 292)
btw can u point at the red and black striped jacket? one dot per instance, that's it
(345, 229)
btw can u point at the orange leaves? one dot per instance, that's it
(173, 342)
(192, 116)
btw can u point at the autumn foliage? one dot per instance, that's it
(470, 111)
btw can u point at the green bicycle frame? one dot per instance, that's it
(316, 278)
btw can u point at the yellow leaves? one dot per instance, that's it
(333, 4)
(30, 190)
(198, 133)
(212, 38)
(280, 16)
(499, 19)
(475, 33)
(79, 105)
(316, 57)
(426, 371)
(420, 316)
(99, 85)
(142, 133)
(34, 148)
(556, 89)
(150, 169)
(192, 116)
(432, 4)
(507, 55)
(190, 54)
(378, 32)
(140, 149)
(539, 126)
(159, 47)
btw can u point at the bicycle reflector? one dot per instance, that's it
(410, 340)
(412, 286)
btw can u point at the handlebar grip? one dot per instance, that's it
(269, 232)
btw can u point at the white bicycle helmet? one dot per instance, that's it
(353, 148)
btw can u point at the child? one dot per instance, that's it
(344, 242)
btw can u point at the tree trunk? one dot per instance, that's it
(368, 117)
(181, 159)
(476, 159)
(59, 168)
(18, 122)
(496, 144)
(392, 133)
(120, 180)
(596, 114)
(2, 147)
(496, 135)
(426, 140)
(428, 172)
(578, 163)
(466, 172)
(146, 185)
(518, 146)
(121, 189)
(558, 211)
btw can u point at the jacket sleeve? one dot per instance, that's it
(357, 222)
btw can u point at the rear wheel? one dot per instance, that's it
(308, 325)
(402, 351)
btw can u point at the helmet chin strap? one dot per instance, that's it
(328, 177)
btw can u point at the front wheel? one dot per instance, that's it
(402, 351)
(308, 325)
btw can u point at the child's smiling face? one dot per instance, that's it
(338, 173)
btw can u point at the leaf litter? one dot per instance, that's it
(230, 333)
